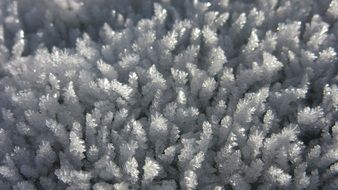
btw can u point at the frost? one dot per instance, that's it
(190, 180)
(170, 94)
(131, 170)
(278, 176)
(151, 169)
(332, 10)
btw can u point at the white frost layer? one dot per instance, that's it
(168, 94)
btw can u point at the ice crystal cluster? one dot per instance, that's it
(168, 94)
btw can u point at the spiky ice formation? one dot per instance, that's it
(168, 94)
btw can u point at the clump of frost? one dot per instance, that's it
(168, 94)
